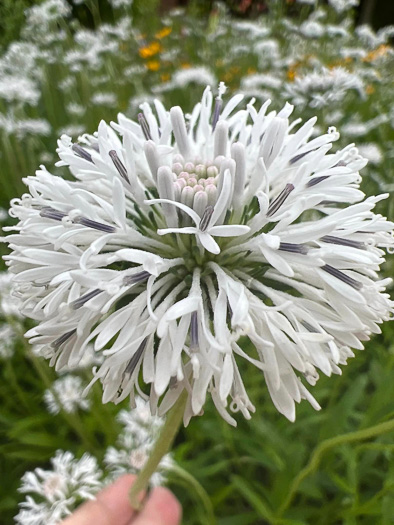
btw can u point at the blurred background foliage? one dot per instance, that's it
(92, 60)
(377, 13)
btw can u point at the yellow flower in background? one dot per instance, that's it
(291, 74)
(165, 77)
(163, 32)
(369, 90)
(153, 65)
(150, 50)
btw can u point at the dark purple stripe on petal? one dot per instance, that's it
(342, 276)
(95, 225)
(343, 242)
(194, 330)
(81, 152)
(119, 165)
(300, 156)
(216, 112)
(280, 199)
(51, 213)
(144, 126)
(63, 338)
(316, 180)
(293, 248)
(78, 303)
(136, 278)
(206, 217)
(136, 357)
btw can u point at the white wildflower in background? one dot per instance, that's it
(75, 109)
(139, 422)
(181, 79)
(20, 59)
(72, 130)
(90, 48)
(3, 215)
(41, 15)
(176, 238)
(33, 126)
(66, 394)
(8, 339)
(46, 157)
(312, 29)
(371, 152)
(134, 444)
(9, 304)
(343, 5)
(19, 89)
(259, 80)
(116, 4)
(104, 99)
(22, 128)
(323, 88)
(54, 494)
(307, 2)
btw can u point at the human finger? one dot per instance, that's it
(162, 508)
(111, 506)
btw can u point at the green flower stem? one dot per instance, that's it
(161, 447)
(198, 489)
(320, 450)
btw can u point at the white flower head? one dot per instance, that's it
(134, 443)
(324, 87)
(9, 305)
(343, 5)
(179, 235)
(8, 339)
(66, 394)
(54, 494)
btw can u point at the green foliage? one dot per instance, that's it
(12, 18)
(334, 466)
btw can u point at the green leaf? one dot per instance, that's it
(254, 499)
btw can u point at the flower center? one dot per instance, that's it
(195, 184)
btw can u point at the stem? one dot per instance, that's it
(312, 465)
(198, 491)
(161, 447)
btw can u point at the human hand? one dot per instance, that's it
(112, 507)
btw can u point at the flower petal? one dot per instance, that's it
(196, 218)
(222, 202)
(228, 230)
(208, 242)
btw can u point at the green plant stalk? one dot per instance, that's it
(161, 447)
(198, 490)
(312, 465)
